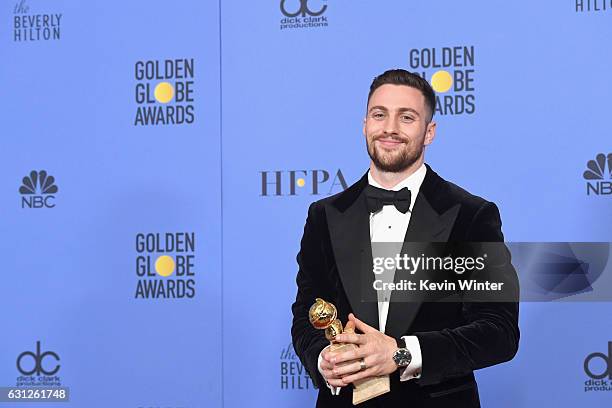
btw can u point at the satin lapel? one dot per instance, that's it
(426, 225)
(350, 237)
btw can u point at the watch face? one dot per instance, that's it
(402, 357)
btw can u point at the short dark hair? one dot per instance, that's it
(403, 77)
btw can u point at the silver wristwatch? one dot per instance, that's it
(402, 356)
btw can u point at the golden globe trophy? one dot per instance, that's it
(323, 315)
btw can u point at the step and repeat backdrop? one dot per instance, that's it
(158, 159)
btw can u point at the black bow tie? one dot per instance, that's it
(378, 197)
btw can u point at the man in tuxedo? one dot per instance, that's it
(429, 349)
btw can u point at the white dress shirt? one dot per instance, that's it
(390, 225)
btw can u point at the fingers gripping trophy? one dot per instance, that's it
(323, 315)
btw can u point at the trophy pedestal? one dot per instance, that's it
(367, 388)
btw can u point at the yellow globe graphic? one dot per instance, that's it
(300, 182)
(164, 265)
(441, 81)
(164, 92)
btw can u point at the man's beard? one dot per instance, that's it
(394, 161)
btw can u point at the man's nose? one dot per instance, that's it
(391, 126)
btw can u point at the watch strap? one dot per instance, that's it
(401, 343)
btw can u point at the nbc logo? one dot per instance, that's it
(598, 170)
(38, 190)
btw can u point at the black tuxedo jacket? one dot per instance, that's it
(455, 338)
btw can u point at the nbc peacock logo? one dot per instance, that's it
(38, 190)
(597, 172)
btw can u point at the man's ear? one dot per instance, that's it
(363, 128)
(430, 133)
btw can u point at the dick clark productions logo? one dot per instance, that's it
(165, 265)
(303, 14)
(598, 366)
(38, 368)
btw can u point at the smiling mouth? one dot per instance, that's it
(388, 141)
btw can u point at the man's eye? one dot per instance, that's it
(378, 115)
(407, 118)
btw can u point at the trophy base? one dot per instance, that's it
(367, 388)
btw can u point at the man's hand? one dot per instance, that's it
(375, 347)
(327, 370)
(327, 366)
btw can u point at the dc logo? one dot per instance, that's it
(303, 10)
(607, 359)
(38, 362)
